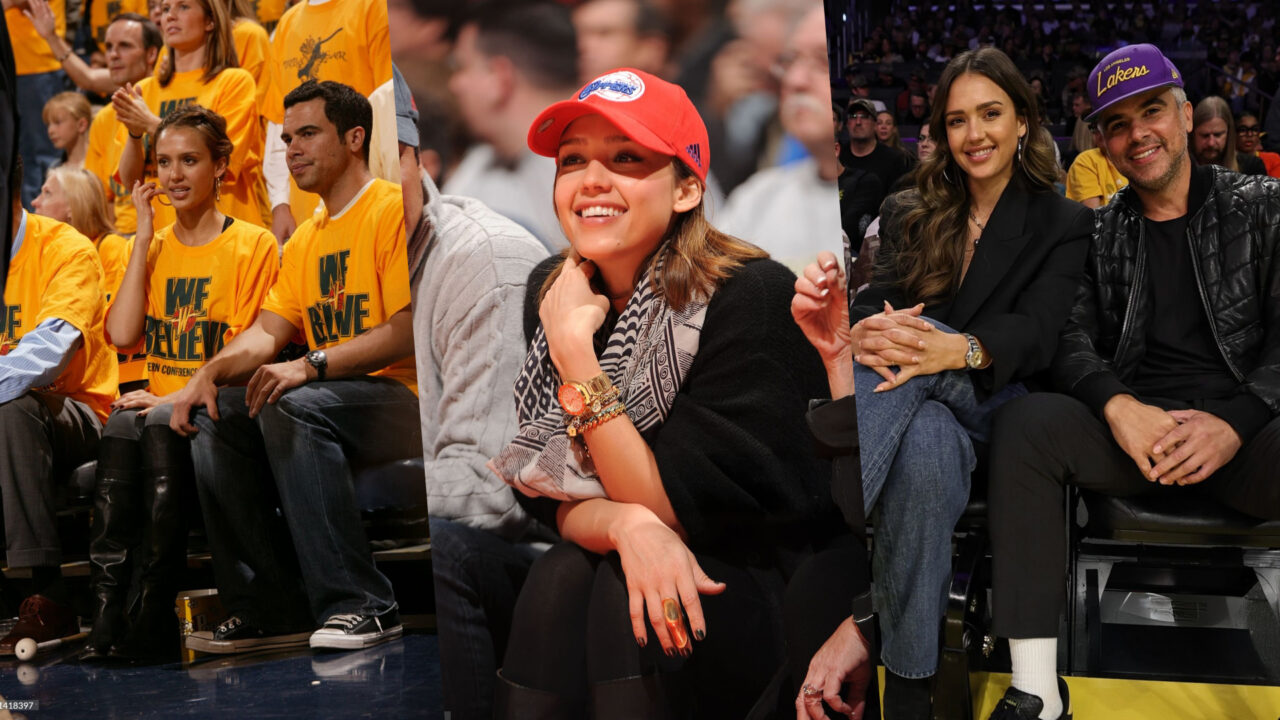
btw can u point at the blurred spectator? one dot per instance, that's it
(887, 131)
(866, 153)
(39, 78)
(915, 85)
(512, 60)
(860, 88)
(917, 109)
(66, 117)
(1213, 139)
(788, 210)
(1093, 179)
(1248, 138)
(925, 145)
(619, 33)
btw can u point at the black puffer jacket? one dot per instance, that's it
(1234, 231)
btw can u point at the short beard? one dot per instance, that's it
(1159, 184)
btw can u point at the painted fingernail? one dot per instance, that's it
(669, 652)
(640, 641)
(824, 292)
(700, 634)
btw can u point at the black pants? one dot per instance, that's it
(1042, 442)
(572, 628)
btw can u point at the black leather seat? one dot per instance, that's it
(1166, 543)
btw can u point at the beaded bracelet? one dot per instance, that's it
(580, 425)
(603, 417)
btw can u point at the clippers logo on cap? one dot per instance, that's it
(617, 87)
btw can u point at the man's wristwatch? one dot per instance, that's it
(578, 399)
(318, 360)
(975, 358)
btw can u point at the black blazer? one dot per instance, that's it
(1020, 285)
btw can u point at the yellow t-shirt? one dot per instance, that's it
(342, 41)
(113, 251)
(103, 10)
(1093, 175)
(198, 298)
(253, 49)
(107, 136)
(31, 54)
(57, 274)
(231, 95)
(344, 275)
(269, 12)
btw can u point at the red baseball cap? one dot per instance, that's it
(651, 111)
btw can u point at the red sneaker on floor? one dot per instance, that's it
(40, 619)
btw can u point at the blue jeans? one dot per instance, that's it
(478, 576)
(917, 454)
(309, 441)
(38, 152)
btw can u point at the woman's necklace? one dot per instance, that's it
(981, 227)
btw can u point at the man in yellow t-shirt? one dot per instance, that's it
(1092, 179)
(344, 283)
(40, 77)
(132, 44)
(57, 382)
(340, 40)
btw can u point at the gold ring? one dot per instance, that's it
(675, 623)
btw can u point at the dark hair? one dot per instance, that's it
(15, 180)
(537, 37)
(935, 221)
(151, 37)
(209, 124)
(343, 106)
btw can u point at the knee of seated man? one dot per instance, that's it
(1029, 419)
(25, 410)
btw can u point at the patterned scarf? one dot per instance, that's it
(647, 357)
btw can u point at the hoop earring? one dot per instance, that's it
(163, 199)
(946, 175)
(1022, 151)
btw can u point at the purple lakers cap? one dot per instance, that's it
(1129, 71)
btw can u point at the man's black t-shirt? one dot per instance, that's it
(884, 162)
(1182, 361)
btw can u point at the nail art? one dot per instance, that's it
(700, 635)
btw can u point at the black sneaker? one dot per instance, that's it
(236, 635)
(351, 631)
(1018, 705)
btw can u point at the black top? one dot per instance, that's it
(1250, 164)
(885, 162)
(1182, 361)
(1018, 291)
(735, 455)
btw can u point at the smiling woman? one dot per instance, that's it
(661, 428)
(983, 245)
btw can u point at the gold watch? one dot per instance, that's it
(578, 399)
(976, 357)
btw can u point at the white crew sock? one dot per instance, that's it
(1035, 671)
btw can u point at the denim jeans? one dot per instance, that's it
(38, 152)
(917, 454)
(478, 576)
(309, 441)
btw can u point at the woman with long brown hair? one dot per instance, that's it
(187, 289)
(977, 269)
(661, 429)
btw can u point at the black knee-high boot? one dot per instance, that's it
(116, 516)
(168, 478)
